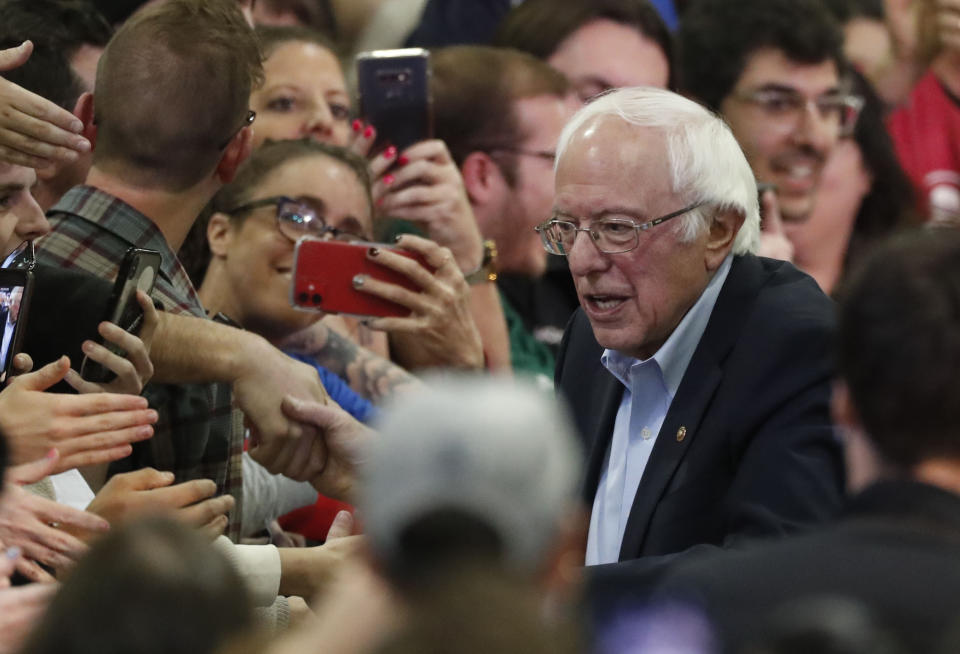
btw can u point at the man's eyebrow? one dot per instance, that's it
(630, 212)
(11, 187)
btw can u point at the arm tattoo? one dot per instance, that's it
(369, 375)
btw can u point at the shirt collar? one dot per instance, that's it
(674, 355)
(119, 218)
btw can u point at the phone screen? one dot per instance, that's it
(11, 303)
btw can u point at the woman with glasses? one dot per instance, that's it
(241, 254)
(304, 95)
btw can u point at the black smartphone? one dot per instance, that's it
(138, 271)
(16, 287)
(394, 95)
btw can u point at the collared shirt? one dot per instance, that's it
(198, 434)
(649, 388)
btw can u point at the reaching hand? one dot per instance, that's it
(425, 187)
(20, 609)
(773, 240)
(440, 331)
(34, 132)
(134, 370)
(86, 429)
(26, 519)
(148, 491)
(329, 459)
(271, 375)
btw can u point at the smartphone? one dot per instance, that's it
(138, 271)
(394, 96)
(323, 273)
(16, 288)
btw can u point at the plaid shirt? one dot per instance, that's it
(199, 434)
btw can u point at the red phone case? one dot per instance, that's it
(323, 273)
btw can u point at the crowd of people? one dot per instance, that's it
(669, 365)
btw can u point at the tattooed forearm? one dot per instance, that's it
(368, 374)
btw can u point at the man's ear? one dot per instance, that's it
(219, 234)
(482, 178)
(83, 110)
(234, 154)
(722, 230)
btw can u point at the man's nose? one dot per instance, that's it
(816, 130)
(31, 222)
(584, 256)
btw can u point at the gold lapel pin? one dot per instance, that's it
(681, 434)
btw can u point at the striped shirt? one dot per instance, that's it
(199, 434)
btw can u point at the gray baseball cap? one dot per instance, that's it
(497, 449)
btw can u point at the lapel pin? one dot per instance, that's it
(681, 434)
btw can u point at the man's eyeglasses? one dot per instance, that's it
(839, 110)
(296, 219)
(247, 122)
(610, 235)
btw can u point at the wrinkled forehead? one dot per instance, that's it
(16, 176)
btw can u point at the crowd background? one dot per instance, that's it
(256, 478)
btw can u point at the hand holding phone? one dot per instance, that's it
(138, 272)
(394, 96)
(325, 274)
(16, 288)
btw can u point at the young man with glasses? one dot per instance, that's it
(773, 70)
(698, 374)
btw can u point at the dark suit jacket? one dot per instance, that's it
(747, 448)
(896, 551)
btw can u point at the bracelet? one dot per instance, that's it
(487, 272)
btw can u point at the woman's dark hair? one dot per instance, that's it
(152, 587)
(540, 26)
(889, 204)
(195, 252)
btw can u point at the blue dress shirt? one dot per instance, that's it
(649, 389)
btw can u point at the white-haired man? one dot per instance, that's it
(698, 373)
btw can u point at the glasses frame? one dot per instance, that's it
(277, 201)
(850, 101)
(548, 155)
(247, 122)
(595, 237)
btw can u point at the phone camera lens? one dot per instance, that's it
(303, 297)
(317, 299)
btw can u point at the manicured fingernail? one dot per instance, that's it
(403, 161)
(373, 252)
(52, 454)
(368, 132)
(358, 281)
(13, 553)
(357, 125)
(390, 152)
(388, 179)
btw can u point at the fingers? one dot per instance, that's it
(185, 494)
(215, 528)
(93, 457)
(144, 479)
(67, 428)
(341, 527)
(22, 363)
(208, 511)
(15, 57)
(362, 139)
(33, 471)
(319, 415)
(772, 223)
(151, 320)
(44, 378)
(97, 404)
(100, 448)
(380, 164)
(40, 577)
(56, 513)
